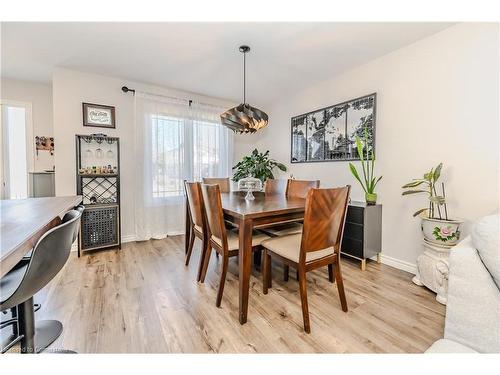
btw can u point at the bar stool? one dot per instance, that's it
(31, 275)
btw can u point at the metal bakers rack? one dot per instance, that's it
(98, 182)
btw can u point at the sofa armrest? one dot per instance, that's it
(473, 307)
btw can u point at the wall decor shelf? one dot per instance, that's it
(98, 182)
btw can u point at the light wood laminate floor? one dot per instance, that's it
(143, 299)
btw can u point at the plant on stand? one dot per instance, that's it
(436, 226)
(369, 181)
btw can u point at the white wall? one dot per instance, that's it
(437, 101)
(70, 89)
(40, 97)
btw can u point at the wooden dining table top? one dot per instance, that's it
(24, 221)
(264, 205)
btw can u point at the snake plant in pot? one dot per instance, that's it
(368, 181)
(436, 226)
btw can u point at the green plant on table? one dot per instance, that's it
(258, 165)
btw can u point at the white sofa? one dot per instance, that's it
(473, 309)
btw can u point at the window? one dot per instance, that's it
(186, 149)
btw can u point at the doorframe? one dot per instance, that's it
(30, 140)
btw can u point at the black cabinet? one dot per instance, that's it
(363, 232)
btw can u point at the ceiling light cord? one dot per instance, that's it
(244, 77)
(244, 118)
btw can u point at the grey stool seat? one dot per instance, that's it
(31, 275)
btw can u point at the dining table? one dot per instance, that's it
(263, 211)
(24, 221)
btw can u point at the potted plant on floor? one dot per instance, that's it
(253, 171)
(369, 181)
(436, 225)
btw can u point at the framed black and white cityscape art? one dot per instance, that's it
(329, 134)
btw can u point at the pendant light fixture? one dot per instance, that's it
(244, 118)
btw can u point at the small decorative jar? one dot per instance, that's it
(250, 184)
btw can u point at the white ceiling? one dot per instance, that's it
(204, 57)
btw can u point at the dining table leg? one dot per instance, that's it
(245, 265)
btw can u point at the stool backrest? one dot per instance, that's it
(224, 183)
(69, 215)
(299, 188)
(324, 219)
(49, 256)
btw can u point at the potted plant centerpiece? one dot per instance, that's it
(436, 226)
(369, 181)
(253, 170)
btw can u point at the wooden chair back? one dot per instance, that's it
(195, 203)
(224, 183)
(213, 209)
(276, 186)
(324, 219)
(299, 188)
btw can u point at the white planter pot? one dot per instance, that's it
(441, 232)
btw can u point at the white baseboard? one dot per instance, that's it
(129, 238)
(399, 264)
(385, 259)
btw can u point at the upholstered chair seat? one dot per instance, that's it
(233, 240)
(288, 247)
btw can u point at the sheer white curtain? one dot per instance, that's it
(174, 142)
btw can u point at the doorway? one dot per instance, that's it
(17, 148)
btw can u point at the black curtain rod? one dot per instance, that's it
(126, 90)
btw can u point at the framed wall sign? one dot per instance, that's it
(329, 134)
(101, 116)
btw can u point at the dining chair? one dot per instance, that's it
(275, 186)
(300, 188)
(294, 189)
(317, 246)
(224, 183)
(198, 221)
(223, 241)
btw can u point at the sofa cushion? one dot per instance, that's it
(449, 346)
(473, 301)
(486, 239)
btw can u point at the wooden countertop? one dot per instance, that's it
(24, 221)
